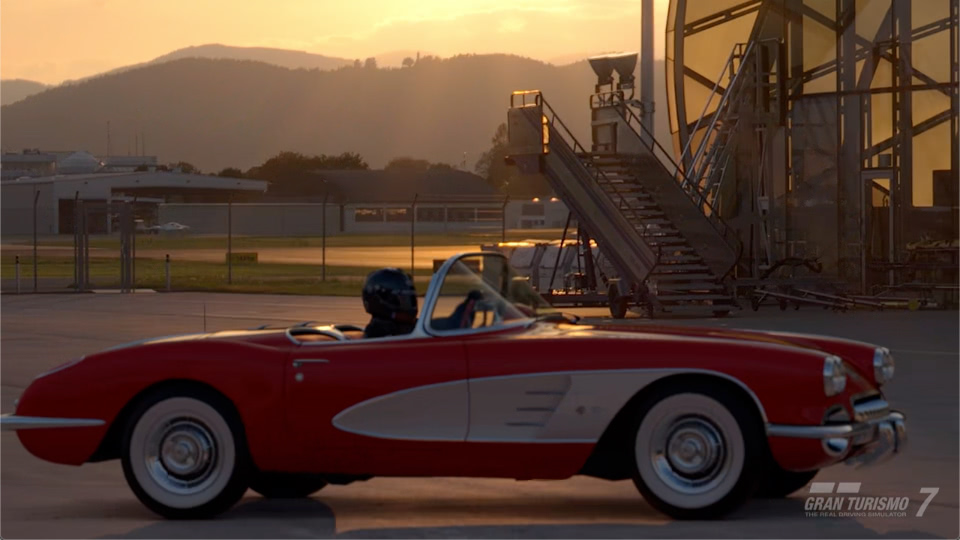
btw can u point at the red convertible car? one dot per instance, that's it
(489, 383)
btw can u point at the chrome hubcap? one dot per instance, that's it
(181, 456)
(688, 454)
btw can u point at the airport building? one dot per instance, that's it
(53, 197)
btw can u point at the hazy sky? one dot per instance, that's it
(54, 40)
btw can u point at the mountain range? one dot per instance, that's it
(217, 113)
(13, 90)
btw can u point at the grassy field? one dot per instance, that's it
(254, 242)
(203, 276)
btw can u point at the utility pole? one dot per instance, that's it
(646, 66)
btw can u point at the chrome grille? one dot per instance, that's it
(870, 408)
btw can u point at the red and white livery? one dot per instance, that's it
(489, 384)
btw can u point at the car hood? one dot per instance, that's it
(856, 353)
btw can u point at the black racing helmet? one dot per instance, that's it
(389, 293)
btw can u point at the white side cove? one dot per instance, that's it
(558, 407)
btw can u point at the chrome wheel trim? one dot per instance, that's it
(182, 452)
(689, 450)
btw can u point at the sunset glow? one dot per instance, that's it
(55, 40)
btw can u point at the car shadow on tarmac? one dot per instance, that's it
(312, 518)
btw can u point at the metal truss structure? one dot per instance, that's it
(823, 130)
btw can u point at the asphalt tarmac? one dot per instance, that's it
(43, 500)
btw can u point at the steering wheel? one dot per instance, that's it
(476, 301)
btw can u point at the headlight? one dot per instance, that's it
(834, 377)
(882, 365)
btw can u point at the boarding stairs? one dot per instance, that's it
(636, 227)
(747, 90)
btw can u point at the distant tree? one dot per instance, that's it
(492, 165)
(357, 63)
(370, 63)
(141, 168)
(407, 164)
(292, 173)
(408, 62)
(231, 172)
(185, 167)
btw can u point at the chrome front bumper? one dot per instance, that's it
(861, 443)
(12, 422)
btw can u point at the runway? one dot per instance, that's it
(43, 500)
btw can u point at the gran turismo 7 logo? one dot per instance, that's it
(842, 499)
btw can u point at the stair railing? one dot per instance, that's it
(729, 235)
(598, 176)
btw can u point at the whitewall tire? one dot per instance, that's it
(184, 454)
(695, 451)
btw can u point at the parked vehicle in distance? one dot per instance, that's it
(169, 227)
(491, 382)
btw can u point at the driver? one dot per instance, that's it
(391, 300)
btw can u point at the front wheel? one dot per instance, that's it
(184, 454)
(286, 485)
(693, 446)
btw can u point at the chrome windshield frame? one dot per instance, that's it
(423, 326)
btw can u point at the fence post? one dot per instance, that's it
(230, 240)
(166, 265)
(36, 198)
(503, 219)
(413, 221)
(323, 229)
(16, 272)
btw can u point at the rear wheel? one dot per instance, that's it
(286, 485)
(692, 446)
(184, 453)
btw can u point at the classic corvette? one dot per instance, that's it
(490, 383)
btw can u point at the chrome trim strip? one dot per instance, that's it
(824, 432)
(12, 422)
(300, 361)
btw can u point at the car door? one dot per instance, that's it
(385, 406)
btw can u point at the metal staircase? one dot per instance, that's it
(746, 87)
(636, 227)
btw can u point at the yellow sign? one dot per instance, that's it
(243, 257)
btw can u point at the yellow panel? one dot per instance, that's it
(669, 49)
(696, 95)
(882, 75)
(931, 151)
(698, 9)
(870, 13)
(671, 17)
(931, 56)
(706, 52)
(881, 118)
(927, 103)
(819, 44)
(826, 7)
(672, 98)
(927, 11)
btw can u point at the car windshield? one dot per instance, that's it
(483, 291)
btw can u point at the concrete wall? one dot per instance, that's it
(16, 209)
(291, 219)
